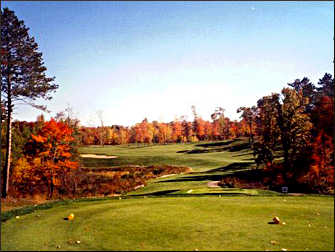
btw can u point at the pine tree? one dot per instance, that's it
(23, 75)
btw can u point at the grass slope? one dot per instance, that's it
(209, 161)
(161, 217)
(182, 223)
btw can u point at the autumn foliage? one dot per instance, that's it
(321, 172)
(298, 126)
(290, 135)
(177, 131)
(47, 159)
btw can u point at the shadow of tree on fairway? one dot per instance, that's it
(243, 154)
(239, 147)
(159, 193)
(234, 148)
(182, 151)
(207, 175)
(197, 151)
(230, 167)
(193, 178)
(249, 159)
(163, 194)
(217, 143)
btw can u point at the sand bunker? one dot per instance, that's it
(168, 175)
(213, 184)
(96, 156)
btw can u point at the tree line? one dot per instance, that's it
(23, 78)
(290, 133)
(297, 126)
(177, 131)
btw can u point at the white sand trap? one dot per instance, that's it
(96, 156)
(213, 184)
(168, 175)
(139, 186)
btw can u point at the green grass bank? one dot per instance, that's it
(177, 212)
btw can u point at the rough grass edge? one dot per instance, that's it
(6, 215)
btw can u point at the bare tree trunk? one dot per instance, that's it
(102, 130)
(51, 188)
(8, 144)
(286, 158)
(251, 140)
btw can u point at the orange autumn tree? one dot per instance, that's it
(321, 172)
(49, 155)
(177, 134)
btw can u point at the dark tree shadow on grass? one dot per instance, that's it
(189, 195)
(207, 175)
(182, 151)
(234, 148)
(159, 193)
(217, 144)
(239, 147)
(230, 167)
(194, 178)
(251, 159)
(197, 151)
(243, 154)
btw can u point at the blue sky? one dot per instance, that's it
(156, 59)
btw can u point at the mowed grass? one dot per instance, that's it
(172, 154)
(181, 223)
(206, 166)
(179, 212)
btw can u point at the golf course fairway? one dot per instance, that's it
(178, 212)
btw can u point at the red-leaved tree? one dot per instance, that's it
(48, 157)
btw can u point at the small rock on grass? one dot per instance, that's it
(17, 217)
(276, 220)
